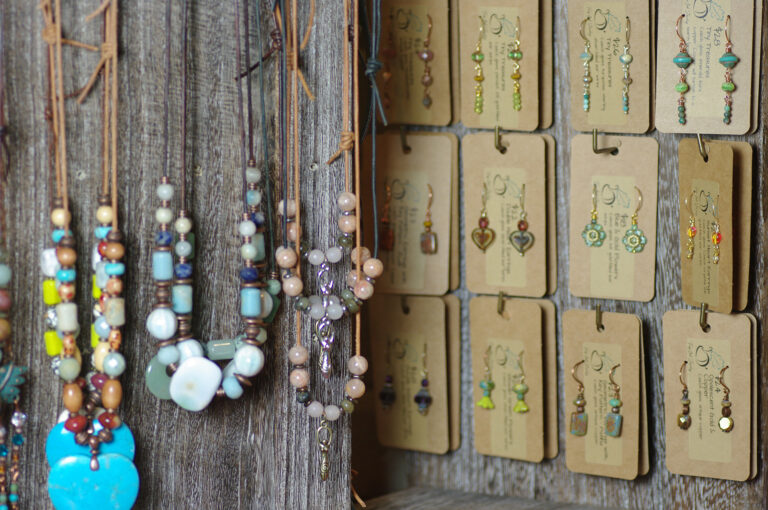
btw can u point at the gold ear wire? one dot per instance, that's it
(573, 374)
(722, 383)
(677, 29)
(581, 29)
(610, 377)
(680, 375)
(639, 200)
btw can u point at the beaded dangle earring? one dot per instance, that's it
(483, 236)
(626, 60)
(717, 237)
(684, 419)
(428, 238)
(426, 56)
(522, 239)
(593, 234)
(725, 422)
(386, 234)
(634, 239)
(586, 58)
(387, 395)
(477, 58)
(579, 417)
(487, 384)
(682, 60)
(423, 398)
(613, 420)
(691, 232)
(520, 388)
(729, 61)
(516, 55)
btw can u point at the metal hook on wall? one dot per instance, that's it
(599, 318)
(403, 142)
(611, 150)
(497, 141)
(702, 148)
(703, 318)
(500, 304)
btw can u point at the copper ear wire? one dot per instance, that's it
(573, 374)
(680, 375)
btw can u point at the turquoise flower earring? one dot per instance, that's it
(593, 233)
(634, 239)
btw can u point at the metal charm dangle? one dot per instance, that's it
(521, 239)
(613, 420)
(487, 384)
(483, 236)
(729, 61)
(516, 55)
(625, 60)
(691, 227)
(477, 58)
(426, 56)
(579, 417)
(324, 333)
(324, 435)
(681, 60)
(717, 237)
(423, 398)
(428, 238)
(593, 234)
(634, 239)
(684, 419)
(725, 422)
(586, 58)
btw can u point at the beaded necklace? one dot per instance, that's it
(90, 451)
(196, 377)
(329, 307)
(12, 377)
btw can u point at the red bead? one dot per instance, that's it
(98, 380)
(522, 225)
(80, 381)
(102, 248)
(483, 222)
(5, 300)
(76, 423)
(717, 237)
(109, 420)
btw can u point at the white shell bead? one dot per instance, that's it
(315, 409)
(332, 412)
(334, 254)
(316, 257)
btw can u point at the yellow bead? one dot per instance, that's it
(99, 353)
(96, 289)
(52, 343)
(60, 217)
(94, 337)
(516, 76)
(427, 223)
(104, 214)
(50, 293)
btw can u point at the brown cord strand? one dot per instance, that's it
(356, 123)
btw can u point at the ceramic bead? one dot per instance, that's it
(168, 354)
(365, 255)
(114, 364)
(51, 295)
(346, 201)
(114, 311)
(66, 256)
(99, 353)
(357, 365)
(299, 378)
(162, 323)
(49, 263)
(347, 224)
(250, 302)
(194, 384)
(373, 268)
(252, 175)
(293, 286)
(181, 297)
(162, 265)
(67, 316)
(315, 409)
(163, 215)
(189, 349)
(333, 254)
(115, 251)
(298, 355)
(247, 228)
(316, 257)
(60, 217)
(182, 225)
(332, 412)
(249, 360)
(286, 257)
(165, 192)
(355, 388)
(232, 387)
(104, 214)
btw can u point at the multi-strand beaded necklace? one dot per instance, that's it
(91, 444)
(334, 300)
(12, 376)
(196, 377)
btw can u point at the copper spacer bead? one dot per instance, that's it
(105, 435)
(252, 330)
(104, 200)
(67, 242)
(243, 380)
(81, 437)
(220, 392)
(115, 236)
(58, 202)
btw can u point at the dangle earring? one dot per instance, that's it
(426, 56)
(477, 58)
(725, 422)
(729, 61)
(634, 239)
(388, 54)
(386, 234)
(387, 395)
(716, 235)
(521, 239)
(681, 60)
(521, 388)
(593, 233)
(586, 58)
(483, 236)
(691, 227)
(487, 384)
(579, 418)
(625, 60)
(614, 419)
(428, 238)
(422, 398)
(684, 418)
(516, 55)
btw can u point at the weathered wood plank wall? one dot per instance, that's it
(258, 452)
(469, 471)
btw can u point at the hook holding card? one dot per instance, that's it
(404, 305)
(500, 304)
(599, 318)
(702, 148)
(403, 142)
(611, 150)
(703, 318)
(497, 141)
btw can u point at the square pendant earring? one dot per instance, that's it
(684, 419)
(428, 238)
(522, 239)
(729, 61)
(593, 234)
(586, 58)
(614, 419)
(487, 384)
(634, 239)
(625, 60)
(579, 417)
(682, 60)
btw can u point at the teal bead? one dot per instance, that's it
(682, 60)
(5, 275)
(65, 275)
(232, 387)
(57, 234)
(101, 231)
(220, 349)
(168, 354)
(258, 242)
(626, 59)
(115, 268)
(181, 299)
(614, 402)
(727, 108)
(274, 287)
(250, 302)
(586, 56)
(729, 60)
(162, 265)
(253, 197)
(72, 483)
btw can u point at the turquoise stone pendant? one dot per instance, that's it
(72, 485)
(157, 379)
(579, 424)
(613, 424)
(593, 234)
(61, 443)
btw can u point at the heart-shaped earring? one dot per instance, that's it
(482, 236)
(521, 239)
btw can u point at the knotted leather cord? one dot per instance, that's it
(347, 137)
(240, 113)
(356, 127)
(296, 76)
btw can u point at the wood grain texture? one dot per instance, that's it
(467, 470)
(258, 452)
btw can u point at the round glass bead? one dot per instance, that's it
(183, 270)
(162, 323)
(165, 192)
(231, 387)
(182, 225)
(249, 274)
(69, 369)
(248, 251)
(168, 354)
(247, 228)
(183, 248)
(249, 360)
(163, 215)
(114, 364)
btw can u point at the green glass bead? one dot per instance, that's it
(681, 109)
(727, 108)
(302, 304)
(352, 306)
(520, 407)
(348, 406)
(614, 402)
(14, 487)
(347, 294)
(521, 388)
(346, 241)
(728, 86)
(274, 287)
(681, 87)
(477, 56)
